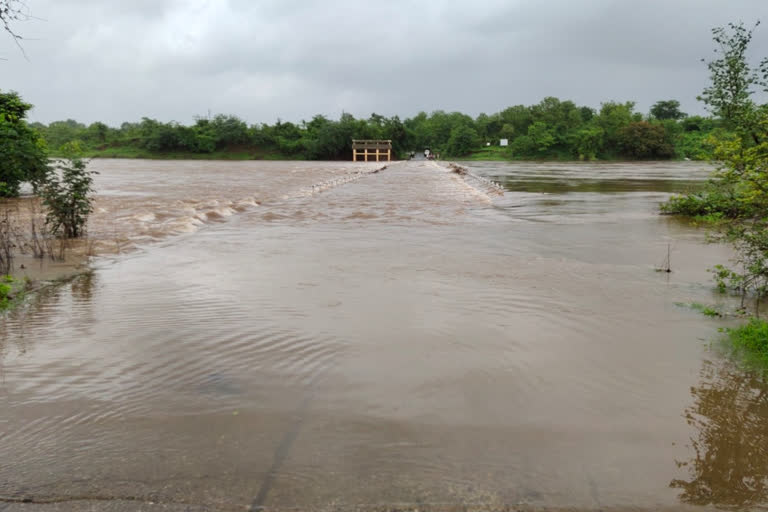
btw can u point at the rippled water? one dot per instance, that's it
(304, 335)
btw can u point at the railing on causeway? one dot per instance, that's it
(369, 147)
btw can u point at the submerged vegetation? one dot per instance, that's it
(63, 188)
(551, 129)
(706, 310)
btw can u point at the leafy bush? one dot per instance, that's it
(68, 198)
(715, 199)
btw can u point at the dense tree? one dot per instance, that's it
(697, 124)
(643, 140)
(613, 117)
(518, 118)
(587, 113)
(667, 109)
(394, 130)
(587, 142)
(488, 127)
(97, 132)
(59, 133)
(507, 132)
(229, 131)
(560, 117)
(22, 151)
(463, 140)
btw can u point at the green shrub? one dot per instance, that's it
(694, 145)
(716, 199)
(68, 198)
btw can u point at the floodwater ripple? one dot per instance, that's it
(327, 336)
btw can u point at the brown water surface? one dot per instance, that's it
(322, 336)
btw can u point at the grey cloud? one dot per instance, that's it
(113, 60)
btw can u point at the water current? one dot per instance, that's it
(302, 335)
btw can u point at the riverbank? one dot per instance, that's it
(504, 154)
(139, 153)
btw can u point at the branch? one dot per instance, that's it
(14, 11)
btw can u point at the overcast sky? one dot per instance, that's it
(120, 60)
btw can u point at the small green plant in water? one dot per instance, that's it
(704, 309)
(11, 290)
(5, 292)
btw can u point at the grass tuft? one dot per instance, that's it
(11, 291)
(710, 311)
(706, 310)
(752, 340)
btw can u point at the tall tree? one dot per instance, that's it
(733, 79)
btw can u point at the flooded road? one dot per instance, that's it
(294, 336)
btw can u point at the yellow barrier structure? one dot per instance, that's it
(368, 147)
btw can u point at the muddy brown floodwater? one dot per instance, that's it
(319, 336)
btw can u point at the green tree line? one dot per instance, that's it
(551, 129)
